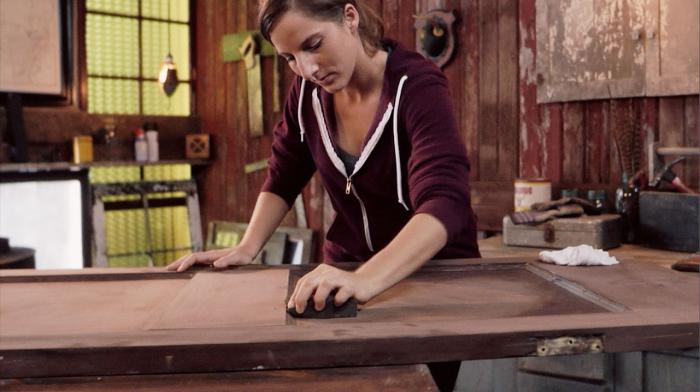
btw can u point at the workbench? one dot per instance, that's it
(653, 370)
(102, 324)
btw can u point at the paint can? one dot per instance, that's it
(82, 149)
(531, 191)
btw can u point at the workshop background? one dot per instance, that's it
(580, 94)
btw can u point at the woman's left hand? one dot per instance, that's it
(320, 282)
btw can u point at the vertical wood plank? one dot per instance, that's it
(672, 125)
(616, 108)
(398, 21)
(531, 140)
(390, 15)
(405, 31)
(650, 127)
(235, 192)
(208, 71)
(691, 175)
(202, 35)
(605, 146)
(552, 129)
(259, 146)
(467, 49)
(376, 5)
(507, 89)
(573, 143)
(488, 90)
(593, 141)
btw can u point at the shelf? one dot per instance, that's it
(35, 167)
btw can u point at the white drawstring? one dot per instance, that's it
(399, 188)
(301, 100)
(373, 140)
(325, 135)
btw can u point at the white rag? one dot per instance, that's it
(578, 255)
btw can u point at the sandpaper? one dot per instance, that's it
(348, 309)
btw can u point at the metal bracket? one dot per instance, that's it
(568, 345)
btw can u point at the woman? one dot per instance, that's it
(376, 121)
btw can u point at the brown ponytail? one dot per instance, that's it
(371, 27)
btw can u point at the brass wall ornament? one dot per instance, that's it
(435, 38)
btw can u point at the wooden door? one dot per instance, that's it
(94, 322)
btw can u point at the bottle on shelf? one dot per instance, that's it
(627, 205)
(152, 140)
(140, 146)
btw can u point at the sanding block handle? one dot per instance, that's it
(331, 310)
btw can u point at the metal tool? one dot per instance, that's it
(230, 45)
(251, 57)
(656, 152)
(667, 175)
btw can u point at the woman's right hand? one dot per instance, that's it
(219, 258)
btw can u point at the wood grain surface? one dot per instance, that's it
(364, 379)
(214, 300)
(448, 310)
(67, 308)
(471, 294)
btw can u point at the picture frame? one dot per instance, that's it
(37, 41)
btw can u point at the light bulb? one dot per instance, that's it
(167, 78)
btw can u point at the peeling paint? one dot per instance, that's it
(523, 133)
(527, 66)
(578, 20)
(591, 41)
(542, 130)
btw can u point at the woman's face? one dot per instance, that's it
(323, 52)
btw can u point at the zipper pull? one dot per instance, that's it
(348, 186)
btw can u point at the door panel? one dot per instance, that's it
(448, 310)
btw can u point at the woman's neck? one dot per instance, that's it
(368, 77)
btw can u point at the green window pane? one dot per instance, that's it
(114, 96)
(112, 46)
(180, 45)
(179, 9)
(125, 7)
(154, 46)
(157, 103)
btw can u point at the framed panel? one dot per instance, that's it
(36, 41)
(200, 321)
(589, 49)
(672, 53)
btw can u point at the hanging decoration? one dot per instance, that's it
(167, 77)
(435, 38)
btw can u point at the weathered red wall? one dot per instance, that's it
(492, 80)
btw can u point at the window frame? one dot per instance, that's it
(80, 26)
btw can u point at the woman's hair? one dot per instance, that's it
(371, 27)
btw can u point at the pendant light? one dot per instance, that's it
(167, 78)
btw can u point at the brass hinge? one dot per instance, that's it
(567, 345)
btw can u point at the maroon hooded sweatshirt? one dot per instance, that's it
(412, 161)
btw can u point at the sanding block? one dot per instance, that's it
(348, 309)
